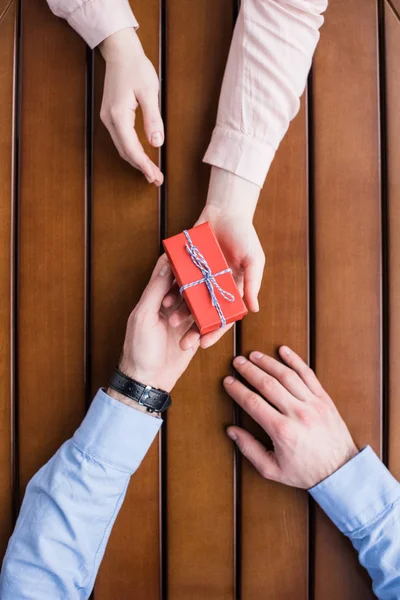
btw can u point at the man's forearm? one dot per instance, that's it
(363, 500)
(71, 504)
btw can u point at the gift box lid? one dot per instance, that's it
(198, 297)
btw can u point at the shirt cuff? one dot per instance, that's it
(358, 492)
(240, 154)
(116, 433)
(96, 20)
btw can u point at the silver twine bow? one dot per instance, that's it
(208, 278)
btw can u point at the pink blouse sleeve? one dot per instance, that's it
(266, 73)
(95, 20)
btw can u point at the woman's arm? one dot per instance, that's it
(95, 20)
(266, 73)
(130, 80)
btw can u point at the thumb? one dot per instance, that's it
(153, 123)
(158, 286)
(263, 460)
(253, 274)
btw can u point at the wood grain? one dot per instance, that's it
(200, 458)
(274, 517)
(51, 274)
(125, 250)
(7, 35)
(392, 36)
(347, 321)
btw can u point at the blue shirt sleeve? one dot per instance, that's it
(363, 500)
(71, 504)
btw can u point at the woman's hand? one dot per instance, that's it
(230, 207)
(130, 81)
(152, 352)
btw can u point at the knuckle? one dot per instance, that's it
(252, 402)
(245, 449)
(269, 384)
(123, 155)
(104, 116)
(116, 113)
(263, 470)
(281, 429)
(306, 370)
(288, 378)
(305, 416)
(152, 118)
(135, 316)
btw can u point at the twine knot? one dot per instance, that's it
(208, 278)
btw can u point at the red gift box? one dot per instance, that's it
(199, 297)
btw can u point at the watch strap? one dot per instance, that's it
(153, 399)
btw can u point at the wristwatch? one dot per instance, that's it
(152, 399)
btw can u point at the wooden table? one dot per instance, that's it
(80, 232)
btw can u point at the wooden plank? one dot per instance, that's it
(392, 36)
(347, 255)
(7, 34)
(125, 249)
(394, 5)
(51, 276)
(200, 459)
(275, 538)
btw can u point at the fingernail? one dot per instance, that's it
(239, 360)
(165, 270)
(157, 139)
(229, 380)
(285, 350)
(256, 355)
(232, 435)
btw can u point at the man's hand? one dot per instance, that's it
(130, 81)
(310, 438)
(152, 354)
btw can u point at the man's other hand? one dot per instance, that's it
(310, 438)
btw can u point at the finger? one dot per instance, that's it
(180, 314)
(262, 412)
(268, 386)
(159, 284)
(263, 460)
(253, 274)
(132, 150)
(173, 297)
(287, 377)
(183, 328)
(298, 365)
(209, 339)
(153, 123)
(136, 157)
(190, 338)
(169, 301)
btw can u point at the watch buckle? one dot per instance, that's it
(144, 395)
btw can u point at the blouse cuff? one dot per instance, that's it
(240, 154)
(96, 20)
